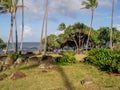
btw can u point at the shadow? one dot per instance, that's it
(29, 67)
(68, 84)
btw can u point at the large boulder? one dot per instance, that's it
(46, 66)
(2, 57)
(17, 75)
(9, 61)
(20, 60)
(86, 81)
(47, 60)
(42, 66)
(33, 60)
(1, 68)
(2, 76)
(1, 62)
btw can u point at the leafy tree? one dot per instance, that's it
(94, 38)
(62, 27)
(115, 38)
(2, 44)
(104, 36)
(62, 39)
(52, 42)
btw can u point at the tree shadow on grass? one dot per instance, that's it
(66, 80)
(29, 67)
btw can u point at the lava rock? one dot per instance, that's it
(17, 75)
(86, 81)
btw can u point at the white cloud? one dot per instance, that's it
(58, 32)
(117, 26)
(60, 7)
(27, 31)
(65, 7)
(106, 3)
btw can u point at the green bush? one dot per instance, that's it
(105, 59)
(68, 53)
(67, 58)
(14, 55)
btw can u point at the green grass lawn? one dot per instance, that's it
(66, 77)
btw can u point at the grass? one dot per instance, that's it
(66, 77)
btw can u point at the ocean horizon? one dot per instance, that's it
(27, 46)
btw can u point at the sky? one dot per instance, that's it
(67, 11)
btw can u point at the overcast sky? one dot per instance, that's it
(67, 11)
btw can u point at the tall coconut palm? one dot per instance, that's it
(21, 45)
(15, 23)
(90, 4)
(111, 25)
(46, 29)
(45, 21)
(8, 6)
(43, 24)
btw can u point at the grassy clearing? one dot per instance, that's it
(66, 77)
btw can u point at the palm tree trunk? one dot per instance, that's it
(16, 36)
(111, 25)
(10, 36)
(21, 45)
(45, 45)
(42, 32)
(12, 32)
(90, 29)
(79, 41)
(6, 51)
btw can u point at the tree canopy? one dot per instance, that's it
(75, 37)
(2, 44)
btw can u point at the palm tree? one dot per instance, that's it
(90, 4)
(15, 23)
(21, 45)
(45, 45)
(111, 25)
(8, 6)
(45, 21)
(42, 32)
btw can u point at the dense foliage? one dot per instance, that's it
(67, 58)
(2, 44)
(14, 56)
(105, 59)
(75, 37)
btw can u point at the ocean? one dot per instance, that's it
(27, 46)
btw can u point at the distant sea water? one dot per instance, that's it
(27, 46)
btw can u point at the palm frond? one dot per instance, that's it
(90, 4)
(85, 3)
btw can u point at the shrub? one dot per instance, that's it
(67, 58)
(14, 55)
(105, 59)
(68, 53)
